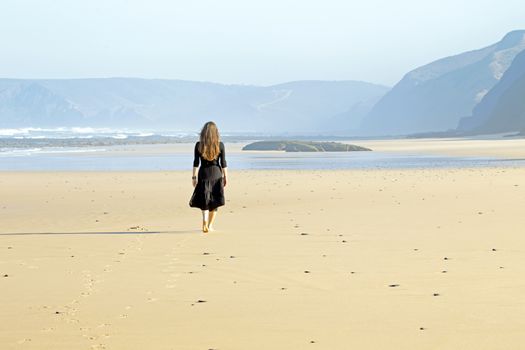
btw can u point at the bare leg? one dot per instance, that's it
(213, 213)
(205, 214)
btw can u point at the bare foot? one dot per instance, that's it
(205, 226)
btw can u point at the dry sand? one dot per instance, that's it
(397, 259)
(509, 148)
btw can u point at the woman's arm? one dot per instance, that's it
(224, 176)
(195, 164)
(224, 165)
(194, 176)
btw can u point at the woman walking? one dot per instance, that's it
(209, 180)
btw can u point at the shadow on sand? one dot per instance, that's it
(100, 233)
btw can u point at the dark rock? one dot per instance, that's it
(302, 146)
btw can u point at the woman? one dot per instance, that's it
(208, 194)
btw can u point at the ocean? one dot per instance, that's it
(120, 159)
(179, 156)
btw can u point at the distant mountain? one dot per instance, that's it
(436, 96)
(503, 108)
(301, 106)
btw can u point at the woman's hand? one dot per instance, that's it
(224, 181)
(194, 182)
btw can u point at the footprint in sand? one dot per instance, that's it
(98, 346)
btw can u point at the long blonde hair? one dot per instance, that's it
(209, 141)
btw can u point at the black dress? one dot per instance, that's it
(209, 192)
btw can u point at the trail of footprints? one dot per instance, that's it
(70, 312)
(102, 331)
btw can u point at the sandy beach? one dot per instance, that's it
(495, 146)
(346, 259)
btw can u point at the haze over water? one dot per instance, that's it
(148, 158)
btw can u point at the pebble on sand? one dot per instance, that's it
(393, 285)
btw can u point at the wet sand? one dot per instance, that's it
(370, 259)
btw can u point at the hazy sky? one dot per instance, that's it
(243, 41)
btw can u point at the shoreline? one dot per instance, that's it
(500, 147)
